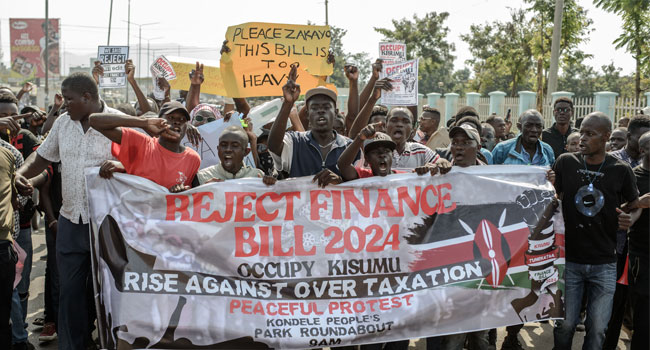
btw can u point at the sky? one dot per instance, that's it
(196, 28)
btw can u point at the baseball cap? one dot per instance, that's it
(320, 90)
(468, 130)
(172, 106)
(29, 108)
(380, 139)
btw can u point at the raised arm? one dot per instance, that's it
(52, 114)
(367, 90)
(352, 73)
(296, 123)
(348, 156)
(98, 71)
(364, 115)
(129, 67)
(27, 87)
(291, 92)
(194, 93)
(242, 106)
(110, 124)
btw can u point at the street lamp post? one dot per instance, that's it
(148, 47)
(140, 43)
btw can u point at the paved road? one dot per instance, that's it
(532, 336)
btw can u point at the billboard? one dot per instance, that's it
(28, 43)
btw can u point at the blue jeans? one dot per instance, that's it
(21, 293)
(599, 283)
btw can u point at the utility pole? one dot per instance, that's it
(555, 47)
(140, 45)
(128, 40)
(110, 19)
(47, 54)
(326, 15)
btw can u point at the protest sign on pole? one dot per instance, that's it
(392, 52)
(210, 133)
(182, 66)
(261, 55)
(28, 47)
(239, 264)
(405, 84)
(161, 67)
(113, 59)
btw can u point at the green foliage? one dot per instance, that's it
(361, 60)
(502, 54)
(636, 31)
(426, 39)
(584, 80)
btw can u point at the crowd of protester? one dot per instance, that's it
(48, 152)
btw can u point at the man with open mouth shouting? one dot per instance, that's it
(161, 159)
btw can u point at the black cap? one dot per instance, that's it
(172, 106)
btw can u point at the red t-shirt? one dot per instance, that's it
(367, 172)
(143, 156)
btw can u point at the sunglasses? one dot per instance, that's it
(563, 110)
(200, 118)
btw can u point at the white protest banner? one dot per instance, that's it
(405, 84)
(113, 59)
(392, 52)
(240, 265)
(161, 67)
(210, 133)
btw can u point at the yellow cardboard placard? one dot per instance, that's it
(212, 83)
(261, 55)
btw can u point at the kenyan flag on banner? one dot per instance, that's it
(238, 264)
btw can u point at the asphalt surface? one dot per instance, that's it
(532, 336)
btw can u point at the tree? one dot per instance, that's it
(502, 54)
(576, 26)
(361, 60)
(636, 16)
(426, 39)
(578, 78)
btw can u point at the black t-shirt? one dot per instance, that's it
(592, 240)
(640, 231)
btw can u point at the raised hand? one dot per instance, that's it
(163, 84)
(129, 68)
(382, 84)
(98, 71)
(351, 72)
(224, 47)
(58, 101)
(156, 126)
(291, 90)
(376, 68)
(193, 135)
(369, 131)
(27, 87)
(196, 75)
(330, 57)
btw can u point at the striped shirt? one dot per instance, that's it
(414, 155)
